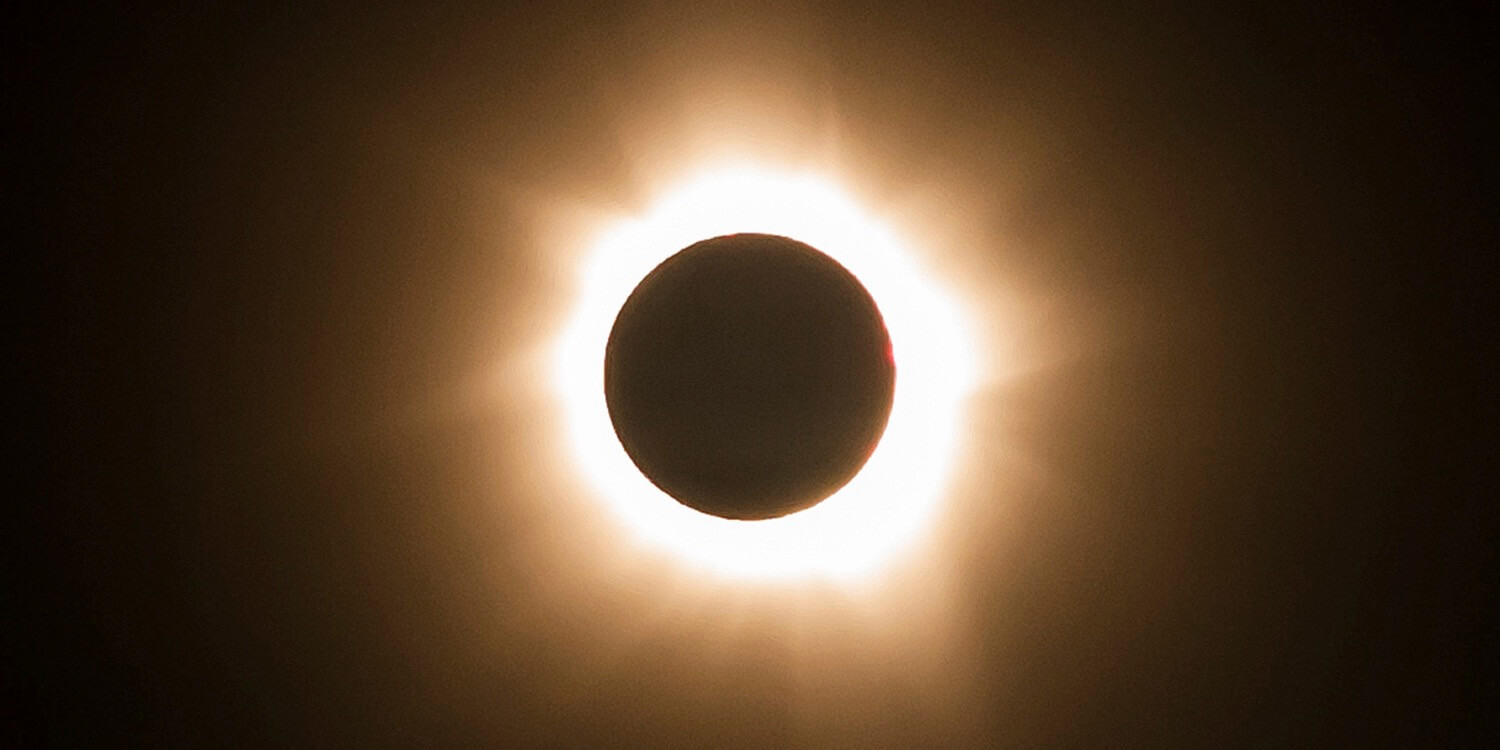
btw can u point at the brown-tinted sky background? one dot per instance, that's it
(299, 485)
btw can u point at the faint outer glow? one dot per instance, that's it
(894, 499)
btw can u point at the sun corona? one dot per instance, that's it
(892, 501)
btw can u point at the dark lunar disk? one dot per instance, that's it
(749, 376)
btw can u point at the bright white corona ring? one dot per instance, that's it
(894, 498)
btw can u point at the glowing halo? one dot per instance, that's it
(894, 497)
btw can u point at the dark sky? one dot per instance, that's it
(266, 242)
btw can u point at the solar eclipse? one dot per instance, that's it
(868, 512)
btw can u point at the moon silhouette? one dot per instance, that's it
(749, 376)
